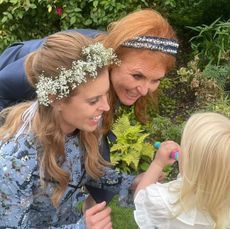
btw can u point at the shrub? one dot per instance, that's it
(203, 88)
(212, 42)
(221, 105)
(27, 19)
(130, 153)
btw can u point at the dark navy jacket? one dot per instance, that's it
(15, 88)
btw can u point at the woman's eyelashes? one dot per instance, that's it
(155, 81)
(141, 77)
(137, 76)
(93, 101)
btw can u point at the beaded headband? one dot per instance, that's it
(165, 45)
(96, 56)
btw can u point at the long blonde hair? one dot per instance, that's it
(206, 166)
(140, 23)
(59, 50)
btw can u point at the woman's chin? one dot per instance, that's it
(127, 101)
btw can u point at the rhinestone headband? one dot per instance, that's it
(96, 56)
(165, 45)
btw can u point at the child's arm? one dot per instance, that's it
(161, 159)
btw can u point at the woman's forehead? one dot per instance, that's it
(146, 58)
(95, 87)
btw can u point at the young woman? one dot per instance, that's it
(199, 198)
(49, 147)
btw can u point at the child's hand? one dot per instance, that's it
(162, 157)
(98, 217)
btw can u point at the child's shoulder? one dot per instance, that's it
(169, 188)
(164, 194)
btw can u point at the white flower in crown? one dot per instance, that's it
(97, 56)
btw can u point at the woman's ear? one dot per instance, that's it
(56, 104)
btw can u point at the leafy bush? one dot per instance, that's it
(163, 128)
(131, 153)
(221, 105)
(167, 103)
(219, 74)
(189, 89)
(27, 19)
(212, 42)
(203, 88)
(21, 20)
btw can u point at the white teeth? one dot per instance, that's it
(130, 94)
(96, 118)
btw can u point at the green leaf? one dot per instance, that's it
(12, 1)
(88, 22)
(4, 19)
(72, 20)
(148, 150)
(95, 4)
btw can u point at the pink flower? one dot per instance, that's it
(59, 11)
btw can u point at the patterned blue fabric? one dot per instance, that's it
(23, 201)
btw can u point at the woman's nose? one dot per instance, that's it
(143, 89)
(104, 103)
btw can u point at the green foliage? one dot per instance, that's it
(23, 19)
(188, 88)
(214, 9)
(167, 104)
(130, 153)
(219, 74)
(122, 218)
(27, 19)
(221, 105)
(163, 128)
(203, 89)
(183, 14)
(212, 42)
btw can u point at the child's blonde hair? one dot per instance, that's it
(206, 166)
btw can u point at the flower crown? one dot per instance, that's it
(96, 55)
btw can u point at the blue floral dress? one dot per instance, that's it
(24, 203)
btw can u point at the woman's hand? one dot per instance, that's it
(98, 217)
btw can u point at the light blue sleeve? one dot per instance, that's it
(17, 163)
(79, 225)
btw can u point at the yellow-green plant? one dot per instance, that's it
(130, 152)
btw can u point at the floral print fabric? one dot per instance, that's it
(25, 204)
